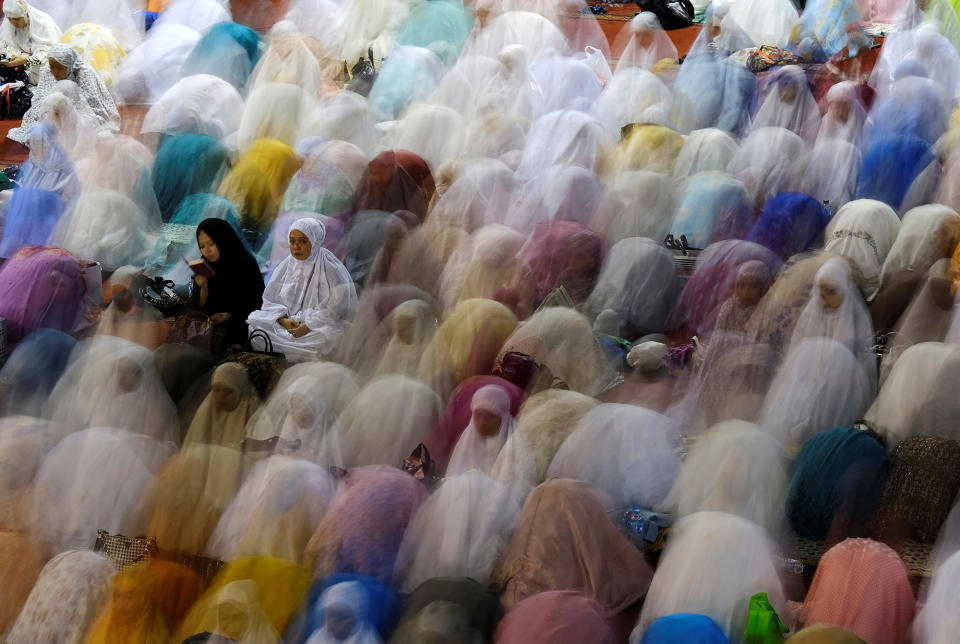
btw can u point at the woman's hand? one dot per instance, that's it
(16, 61)
(299, 331)
(201, 281)
(220, 318)
(287, 323)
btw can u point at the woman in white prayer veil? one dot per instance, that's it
(93, 480)
(539, 36)
(92, 96)
(435, 132)
(938, 621)
(310, 297)
(303, 422)
(116, 15)
(721, 35)
(275, 512)
(639, 282)
(413, 324)
(819, 385)
(343, 611)
(649, 200)
(274, 111)
(566, 83)
(644, 43)
(627, 96)
(344, 116)
(628, 453)
(106, 227)
(735, 467)
(26, 35)
(864, 231)
(705, 150)
(564, 138)
(197, 104)
(293, 58)
(483, 264)
(460, 531)
(770, 160)
(24, 443)
(371, 24)
(154, 66)
(845, 115)
(767, 22)
(113, 383)
(918, 397)
(789, 103)
(741, 562)
(833, 177)
(836, 311)
(223, 415)
(339, 383)
(491, 425)
(389, 418)
(197, 14)
(75, 122)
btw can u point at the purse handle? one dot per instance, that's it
(267, 342)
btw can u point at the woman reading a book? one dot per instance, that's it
(309, 300)
(227, 284)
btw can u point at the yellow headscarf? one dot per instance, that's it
(258, 181)
(131, 615)
(648, 147)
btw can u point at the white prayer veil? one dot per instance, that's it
(926, 235)
(565, 83)
(820, 385)
(344, 116)
(564, 138)
(937, 622)
(535, 33)
(770, 160)
(482, 264)
(734, 467)
(642, 204)
(767, 23)
(643, 43)
(434, 132)
(92, 480)
(705, 150)
(916, 398)
(639, 282)
(389, 418)
(712, 565)
(625, 99)
(412, 326)
(154, 66)
(628, 453)
(845, 115)
(460, 531)
(475, 451)
(274, 111)
(545, 421)
(864, 231)
(198, 104)
(24, 443)
(304, 420)
(275, 512)
(69, 594)
(832, 178)
(107, 227)
(789, 104)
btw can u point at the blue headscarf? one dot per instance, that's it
(890, 166)
(49, 166)
(443, 21)
(32, 371)
(684, 628)
(839, 474)
(228, 51)
(789, 224)
(185, 164)
(714, 93)
(32, 217)
(915, 108)
(383, 607)
(715, 206)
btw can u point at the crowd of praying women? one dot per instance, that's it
(455, 321)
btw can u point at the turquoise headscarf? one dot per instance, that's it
(186, 164)
(228, 51)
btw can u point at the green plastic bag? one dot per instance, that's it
(763, 623)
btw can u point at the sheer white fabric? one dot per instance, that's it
(565, 83)
(274, 111)
(833, 177)
(927, 234)
(413, 324)
(304, 420)
(740, 558)
(389, 418)
(767, 22)
(539, 36)
(434, 132)
(33, 42)
(845, 114)
(92, 480)
(628, 453)
(644, 43)
(475, 451)
(275, 512)
(154, 66)
(564, 138)
(705, 150)
(347, 597)
(789, 104)
(864, 231)
(199, 104)
(459, 531)
(316, 291)
(819, 385)
(631, 93)
(770, 160)
(936, 623)
(215, 425)
(737, 468)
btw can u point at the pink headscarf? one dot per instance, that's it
(553, 617)
(862, 585)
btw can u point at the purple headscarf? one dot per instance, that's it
(41, 288)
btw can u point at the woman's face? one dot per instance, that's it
(406, 330)
(20, 23)
(831, 297)
(300, 246)
(232, 620)
(208, 248)
(486, 422)
(788, 93)
(302, 411)
(393, 237)
(840, 111)
(127, 603)
(339, 622)
(749, 291)
(644, 38)
(225, 398)
(59, 71)
(128, 375)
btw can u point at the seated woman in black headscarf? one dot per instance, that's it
(236, 287)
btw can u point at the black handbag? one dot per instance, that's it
(363, 75)
(159, 293)
(673, 14)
